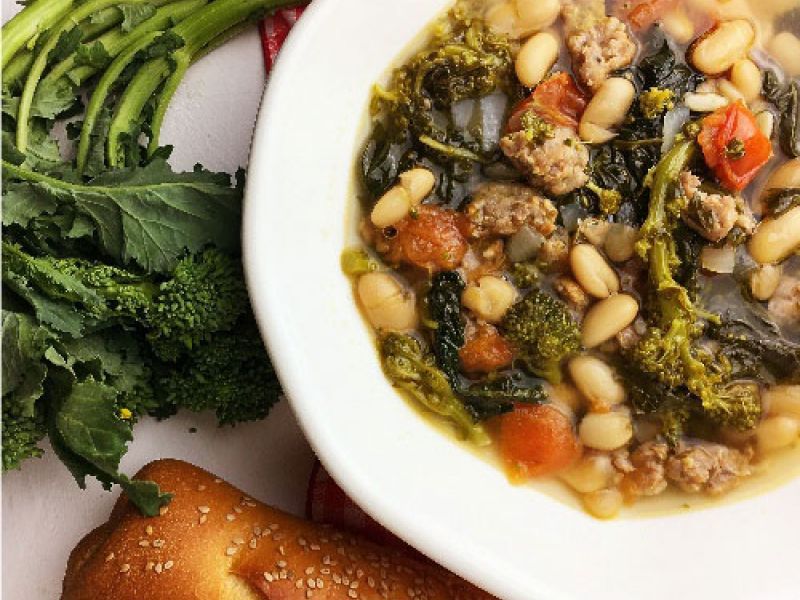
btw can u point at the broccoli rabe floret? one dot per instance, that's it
(410, 368)
(21, 435)
(543, 332)
(656, 101)
(609, 200)
(536, 129)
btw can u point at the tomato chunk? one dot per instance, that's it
(643, 14)
(486, 352)
(733, 146)
(556, 100)
(432, 239)
(537, 440)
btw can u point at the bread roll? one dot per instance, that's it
(215, 543)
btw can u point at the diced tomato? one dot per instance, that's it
(537, 440)
(557, 100)
(643, 14)
(487, 352)
(432, 238)
(733, 146)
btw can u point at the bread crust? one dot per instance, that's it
(214, 542)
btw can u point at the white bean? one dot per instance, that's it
(603, 504)
(776, 239)
(707, 102)
(785, 48)
(766, 123)
(502, 18)
(418, 183)
(536, 57)
(607, 318)
(387, 303)
(593, 272)
(678, 25)
(716, 51)
(536, 15)
(597, 382)
(567, 397)
(490, 299)
(776, 433)
(621, 242)
(594, 230)
(746, 76)
(606, 110)
(783, 400)
(764, 281)
(605, 431)
(730, 91)
(391, 208)
(591, 473)
(785, 176)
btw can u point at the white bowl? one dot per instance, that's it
(461, 511)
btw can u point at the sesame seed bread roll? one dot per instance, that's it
(215, 543)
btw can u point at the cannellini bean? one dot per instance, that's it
(766, 123)
(776, 239)
(490, 299)
(418, 183)
(746, 76)
(593, 272)
(603, 504)
(730, 91)
(606, 110)
(716, 51)
(591, 473)
(536, 57)
(536, 15)
(594, 230)
(607, 318)
(785, 48)
(776, 433)
(502, 18)
(597, 382)
(704, 102)
(605, 431)
(567, 397)
(764, 281)
(621, 242)
(387, 303)
(785, 176)
(391, 208)
(783, 400)
(678, 25)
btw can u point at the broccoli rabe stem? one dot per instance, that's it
(23, 27)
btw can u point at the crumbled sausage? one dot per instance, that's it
(599, 44)
(785, 302)
(555, 250)
(707, 467)
(643, 469)
(711, 215)
(572, 293)
(503, 208)
(558, 165)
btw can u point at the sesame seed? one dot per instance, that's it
(203, 519)
(201, 487)
(158, 543)
(354, 585)
(168, 565)
(312, 583)
(302, 541)
(326, 560)
(336, 578)
(204, 509)
(237, 510)
(253, 544)
(314, 546)
(149, 566)
(149, 530)
(125, 568)
(277, 537)
(370, 582)
(144, 543)
(282, 550)
(325, 571)
(284, 574)
(298, 584)
(359, 573)
(231, 551)
(218, 480)
(267, 576)
(320, 583)
(309, 593)
(163, 510)
(230, 517)
(238, 541)
(410, 592)
(352, 593)
(346, 581)
(281, 564)
(250, 504)
(110, 557)
(159, 568)
(256, 530)
(274, 526)
(309, 570)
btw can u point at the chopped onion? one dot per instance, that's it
(462, 112)
(571, 214)
(524, 244)
(493, 110)
(674, 120)
(719, 260)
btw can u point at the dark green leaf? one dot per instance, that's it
(134, 14)
(779, 201)
(786, 98)
(92, 55)
(443, 305)
(67, 43)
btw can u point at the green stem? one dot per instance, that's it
(40, 62)
(26, 24)
(17, 68)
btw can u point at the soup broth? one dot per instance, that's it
(577, 228)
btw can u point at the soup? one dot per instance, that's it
(579, 239)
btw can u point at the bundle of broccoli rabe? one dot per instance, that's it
(123, 292)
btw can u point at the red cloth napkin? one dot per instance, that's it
(326, 502)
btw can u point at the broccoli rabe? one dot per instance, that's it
(409, 367)
(656, 101)
(536, 129)
(21, 435)
(543, 332)
(609, 200)
(443, 307)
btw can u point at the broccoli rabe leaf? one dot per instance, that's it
(149, 216)
(133, 14)
(443, 305)
(780, 201)
(497, 396)
(786, 98)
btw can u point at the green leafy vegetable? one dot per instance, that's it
(443, 305)
(786, 98)
(497, 396)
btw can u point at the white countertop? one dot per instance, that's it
(44, 513)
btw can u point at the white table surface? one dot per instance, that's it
(44, 514)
